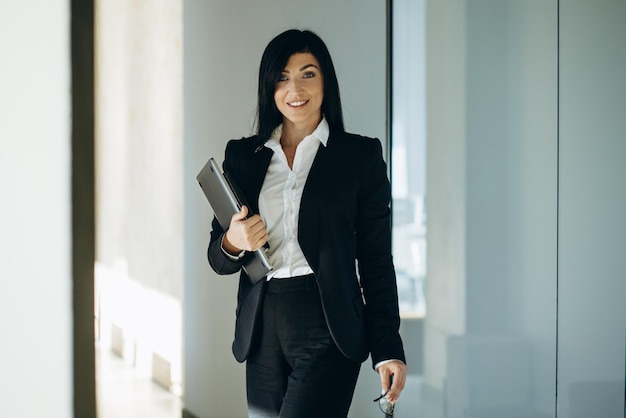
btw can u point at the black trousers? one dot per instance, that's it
(297, 371)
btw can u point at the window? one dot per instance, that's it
(408, 153)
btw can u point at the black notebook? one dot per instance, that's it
(226, 200)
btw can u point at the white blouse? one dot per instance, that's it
(279, 201)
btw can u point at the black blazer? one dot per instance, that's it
(344, 218)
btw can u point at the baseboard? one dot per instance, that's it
(187, 414)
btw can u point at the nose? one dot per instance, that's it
(295, 85)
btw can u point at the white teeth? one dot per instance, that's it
(300, 103)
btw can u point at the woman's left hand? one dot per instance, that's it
(398, 370)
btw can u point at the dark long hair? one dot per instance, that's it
(273, 62)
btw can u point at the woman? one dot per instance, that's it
(321, 202)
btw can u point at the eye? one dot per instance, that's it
(309, 74)
(282, 77)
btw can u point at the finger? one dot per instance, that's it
(255, 222)
(256, 225)
(261, 239)
(240, 215)
(255, 230)
(384, 378)
(238, 231)
(399, 380)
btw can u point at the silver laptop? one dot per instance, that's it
(226, 200)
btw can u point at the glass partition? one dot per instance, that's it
(474, 179)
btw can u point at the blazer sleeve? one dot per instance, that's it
(375, 262)
(218, 261)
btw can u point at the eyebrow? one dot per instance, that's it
(303, 68)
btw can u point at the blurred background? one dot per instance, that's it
(503, 130)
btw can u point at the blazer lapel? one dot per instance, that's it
(251, 175)
(309, 217)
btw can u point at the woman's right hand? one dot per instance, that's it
(244, 234)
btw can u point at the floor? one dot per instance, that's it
(122, 392)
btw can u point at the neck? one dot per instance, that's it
(293, 134)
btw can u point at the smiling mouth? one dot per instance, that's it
(298, 103)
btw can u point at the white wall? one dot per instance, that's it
(35, 223)
(446, 148)
(223, 43)
(492, 195)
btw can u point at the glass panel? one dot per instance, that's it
(474, 146)
(408, 155)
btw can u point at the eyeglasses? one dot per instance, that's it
(385, 406)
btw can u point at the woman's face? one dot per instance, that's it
(300, 91)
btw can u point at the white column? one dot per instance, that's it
(35, 210)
